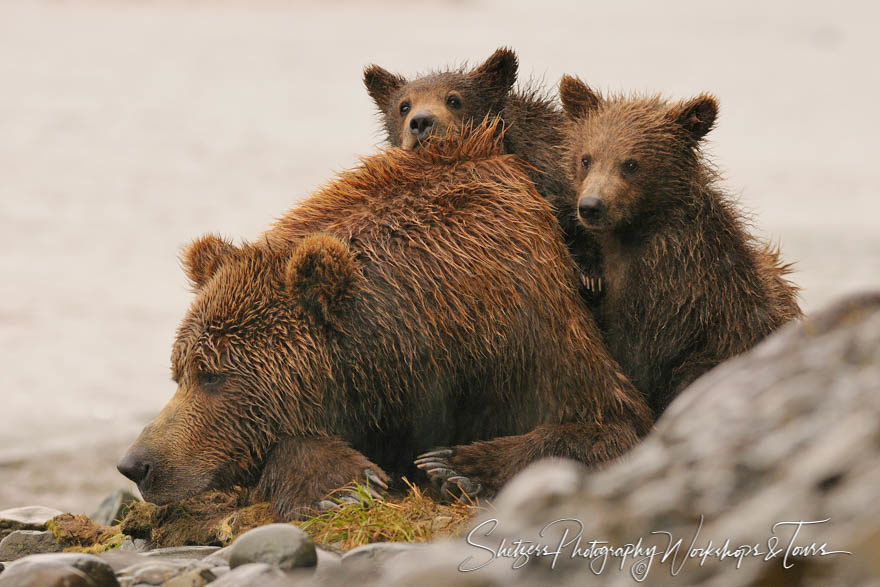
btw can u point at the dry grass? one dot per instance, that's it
(413, 518)
(217, 518)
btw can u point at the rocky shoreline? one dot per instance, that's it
(33, 539)
(787, 433)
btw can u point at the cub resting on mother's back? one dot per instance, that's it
(686, 285)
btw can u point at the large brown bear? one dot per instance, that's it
(686, 285)
(423, 299)
(414, 110)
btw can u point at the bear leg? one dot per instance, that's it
(300, 472)
(481, 468)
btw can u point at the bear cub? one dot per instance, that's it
(412, 111)
(686, 285)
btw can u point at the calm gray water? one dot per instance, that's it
(128, 129)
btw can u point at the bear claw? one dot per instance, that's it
(374, 479)
(441, 452)
(375, 486)
(467, 487)
(438, 468)
(326, 505)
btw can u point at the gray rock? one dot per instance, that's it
(220, 556)
(370, 557)
(147, 570)
(51, 577)
(220, 569)
(120, 560)
(545, 481)
(182, 552)
(152, 572)
(788, 432)
(134, 545)
(370, 562)
(114, 507)
(252, 574)
(25, 518)
(327, 558)
(21, 543)
(192, 578)
(329, 570)
(98, 572)
(282, 545)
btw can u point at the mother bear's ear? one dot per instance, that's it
(320, 276)
(202, 258)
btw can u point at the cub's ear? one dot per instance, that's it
(578, 100)
(697, 115)
(203, 257)
(381, 84)
(320, 276)
(498, 73)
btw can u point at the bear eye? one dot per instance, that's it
(585, 161)
(404, 108)
(629, 166)
(453, 102)
(211, 380)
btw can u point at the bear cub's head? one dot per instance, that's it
(414, 110)
(250, 362)
(631, 158)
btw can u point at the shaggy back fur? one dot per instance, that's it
(532, 125)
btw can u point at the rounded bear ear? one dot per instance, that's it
(498, 73)
(381, 84)
(578, 100)
(697, 116)
(320, 276)
(203, 257)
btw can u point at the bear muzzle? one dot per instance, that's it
(139, 467)
(590, 210)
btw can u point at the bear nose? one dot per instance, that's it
(134, 467)
(421, 124)
(590, 208)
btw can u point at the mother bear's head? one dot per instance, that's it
(252, 361)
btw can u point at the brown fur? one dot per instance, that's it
(422, 299)
(687, 285)
(532, 122)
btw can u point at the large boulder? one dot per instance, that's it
(766, 469)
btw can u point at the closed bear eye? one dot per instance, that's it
(585, 161)
(211, 380)
(629, 166)
(404, 108)
(453, 102)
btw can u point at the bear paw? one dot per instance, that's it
(437, 464)
(375, 484)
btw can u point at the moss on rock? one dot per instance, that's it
(77, 533)
(214, 518)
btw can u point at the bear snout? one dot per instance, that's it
(422, 124)
(136, 466)
(590, 209)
